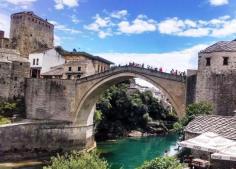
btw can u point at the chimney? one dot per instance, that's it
(1, 34)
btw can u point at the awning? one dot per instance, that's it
(228, 153)
(208, 141)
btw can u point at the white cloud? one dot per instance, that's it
(57, 40)
(5, 24)
(22, 3)
(60, 4)
(75, 19)
(64, 28)
(119, 14)
(228, 28)
(218, 2)
(180, 60)
(101, 25)
(171, 26)
(139, 25)
(222, 26)
(98, 23)
(116, 23)
(198, 32)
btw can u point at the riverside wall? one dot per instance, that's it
(37, 139)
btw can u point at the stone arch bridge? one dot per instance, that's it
(60, 112)
(75, 100)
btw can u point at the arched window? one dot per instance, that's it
(37, 62)
(33, 61)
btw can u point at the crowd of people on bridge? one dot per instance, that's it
(173, 72)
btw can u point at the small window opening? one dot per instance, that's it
(79, 68)
(68, 76)
(37, 62)
(78, 76)
(225, 60)
(208, 61)
(33, 61)
(69, 68)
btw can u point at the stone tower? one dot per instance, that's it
(216, 77)
(29, 33)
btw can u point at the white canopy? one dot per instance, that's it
(208, 141)
(228, 153)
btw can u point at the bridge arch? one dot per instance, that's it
(84, 112)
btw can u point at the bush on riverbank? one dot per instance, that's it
(4, 120)
(12, 107)
(77, 160)
(162, 163)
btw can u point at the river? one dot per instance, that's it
(130, 153)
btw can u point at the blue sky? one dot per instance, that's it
(166, 33)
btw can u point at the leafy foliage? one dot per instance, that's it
(9, 108)
(77, 160)
(4, 120)
(193, 110)
(162, 163)
(196, 109)
(124, 110)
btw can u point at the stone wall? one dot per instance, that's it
(35, 139)
(219, 90)
(5, 79)
(13, 70)
(191, 86)
(50, 99)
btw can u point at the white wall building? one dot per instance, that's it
(41, 61)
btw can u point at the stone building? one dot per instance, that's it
(42, 60)
(77, 65)
(4, 42)
(98, 63)
(14, 69)
(216, 77)
(29, 32)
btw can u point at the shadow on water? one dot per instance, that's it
(130, 153)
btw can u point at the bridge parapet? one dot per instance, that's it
(133, 69)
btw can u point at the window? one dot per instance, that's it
(98, 68)
(68, 76)
(37, 62)
(225, 60)
(69, 68)
(78, 76)
(208, 61)
(79, 68)
(15, 78)
(33, 61)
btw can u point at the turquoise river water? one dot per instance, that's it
(127, 153)
(130, 153)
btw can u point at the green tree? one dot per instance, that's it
(196, 109)
(124, 110)
(162, 163)
(193, 110)
(77, 160)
